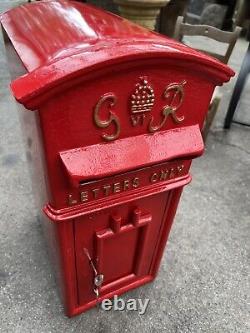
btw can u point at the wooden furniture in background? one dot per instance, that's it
(184, 29)
(169, 16)
(142, 12)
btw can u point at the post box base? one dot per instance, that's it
(78, 310)
(146, 238)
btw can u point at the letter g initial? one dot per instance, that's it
(110, 100)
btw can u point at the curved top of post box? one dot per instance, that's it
(60, 40)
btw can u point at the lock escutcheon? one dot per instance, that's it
(98, 278)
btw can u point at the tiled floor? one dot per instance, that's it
(203, 284)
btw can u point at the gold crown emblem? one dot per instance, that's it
(143, 98)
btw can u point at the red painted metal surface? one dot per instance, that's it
(123, 155)
(118, 117)
(85, 39)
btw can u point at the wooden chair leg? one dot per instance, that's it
(210, 116)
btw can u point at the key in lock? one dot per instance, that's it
(98, 278)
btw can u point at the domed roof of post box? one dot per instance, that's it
(59, 41)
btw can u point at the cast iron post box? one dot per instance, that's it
(114, 122)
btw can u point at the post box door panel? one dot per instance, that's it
(120, 242)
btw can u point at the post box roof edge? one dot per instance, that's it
(60, 41)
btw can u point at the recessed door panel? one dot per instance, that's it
(116, 246)
(122, 260)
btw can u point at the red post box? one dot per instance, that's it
(114, 123)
